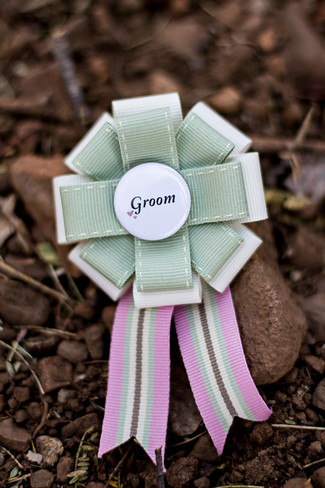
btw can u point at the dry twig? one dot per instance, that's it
(160, 472)
(117, 467)
(12, 457)
(67, 70)
(21, 357)
(301, 427)
(18, 275)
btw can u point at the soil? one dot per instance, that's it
(261, 64)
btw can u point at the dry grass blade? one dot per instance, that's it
(18, 275)
(301, 427)
(12, 457)
(50, 331)
(21, 357)
(117, 467)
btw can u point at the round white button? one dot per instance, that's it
(152, 201)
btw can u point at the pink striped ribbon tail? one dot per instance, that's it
(213, 355)
(139, 374)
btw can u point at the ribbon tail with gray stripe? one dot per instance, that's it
(139, 371)
(213, 355)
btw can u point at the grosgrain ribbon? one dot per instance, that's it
(138, 386)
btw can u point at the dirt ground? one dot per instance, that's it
(261, 64)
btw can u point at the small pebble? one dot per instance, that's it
(34, 457)
(73, 351)
(318, 478)
(65, 466)
(319, 395)
(262, 432)
(50, 448)
(41, 479)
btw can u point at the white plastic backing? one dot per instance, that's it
(254, 186)
(136, 105)
(225, 128)
(166, 298)
(105, 117)
(104, 284)
(243, 253)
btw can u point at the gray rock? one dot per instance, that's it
(50, 448)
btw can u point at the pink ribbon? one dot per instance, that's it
(139, 370)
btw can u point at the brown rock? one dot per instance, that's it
(21, 394)
(94, 337)
(202, 482)
(73, 351)
(65, 465)
(316, 363)
(227, 100)
(271, 323)
(319, 395)
(108, 314)
(32, 179)
(296, 253)
(314, 308)
(41, 479)
(204, 450)
(181, 473)
(261, 433)
(80, 425)
(13, 437)
(54, 373)
(31, 308)
(298, 483)
(50, 448)
(318, 478)
(162, 82)
(267, 40)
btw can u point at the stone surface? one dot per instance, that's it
(41, 479)
(50, 448)
(54, 373)
(298, 483)
(204, 450)
(227, 100)
(34, 457)
(65, 466)
(80, 425)
(262, 432)
(94, 337)
(13, 437)
(271, 324)
(181, 472)
(319, 395)
(318, 478)
(32, 179)
(73, 351)
(31, 308)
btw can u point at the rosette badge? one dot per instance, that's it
(165, 200)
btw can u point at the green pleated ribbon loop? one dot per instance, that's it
(88, 210)
(114, 257)
(218, 194)
(147, 137)
(165, 264)
(200, 145)
(211, 247)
